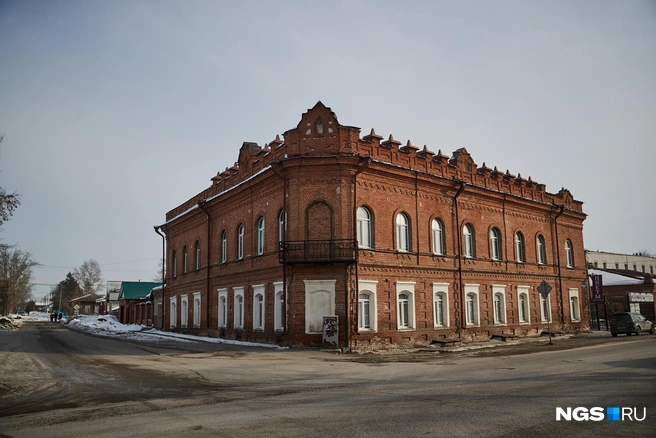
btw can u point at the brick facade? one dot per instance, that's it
(320, 176)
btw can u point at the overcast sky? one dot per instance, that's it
(115, 112)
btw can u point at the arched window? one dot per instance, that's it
(223, 311)
(175, 264)
(472, 308)
(197, 259)
(402, 232)
(281, 226)
(364, 311)
(440, 310)
(258, 312)
(495, 244)
(569, 253)
(519, 247)
(542, 250)
(468, 241)
(224, 246)
(404, 311)
(523, 307)
(184, 259)
(437, 229)
(364, 228)
(240, 242)
(260, 236)
(499, 309)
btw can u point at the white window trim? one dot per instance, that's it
(499, 289)
(278, 311)
(574, 293)
(473, 289)
(524, 290)
(258, 289)
(238, 292)
(441, 289)
(545, 318)
(409, 288)
(223, 293)
(184, 311)
(173, 312)
(197, 310)
(313, 286)
(369, 287)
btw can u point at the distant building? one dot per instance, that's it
(135, 305)
(626, 291)
(87, 305)
(402, 245)
(631, 262)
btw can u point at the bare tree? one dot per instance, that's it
(160, 275)
(8, 201)
(89, 277)
(15, 278)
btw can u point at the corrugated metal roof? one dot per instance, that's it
(136, 290)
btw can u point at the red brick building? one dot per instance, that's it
(403, 245)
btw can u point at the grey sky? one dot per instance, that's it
(115, 112)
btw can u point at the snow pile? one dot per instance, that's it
(8, 324)
(102, 324)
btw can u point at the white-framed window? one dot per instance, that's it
(499, 303)
(173, 311)
(519, 247)
(260, 236)
(367, 306)
(569, 254)
(440, 304)
(197, 259)
(278, 317)
(495, 244)
(468, 241)
(574, 307)
(472, 313)
(402, 232)
(364, 228)
(175, 264)
(437, 231)
(319, 302)
(281, 226)
(542, 250)
(545, 308)
(523, 307)
(239, 307)
(196, 309)
(405, 305)
(223, 307)
(184, 259)
(184, 311)
(258, 307)
(240, 242)
(224, 246)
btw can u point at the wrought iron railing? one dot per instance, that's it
(318, 251)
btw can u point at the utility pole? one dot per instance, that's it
(60, 297)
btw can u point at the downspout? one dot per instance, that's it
(560, 278)
(363, 166)
(417, 214)
(157, 230)
(505, 243)
(463, 316)
(201, 205)
(283, 311)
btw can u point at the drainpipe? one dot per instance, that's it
(284, 237)
(201, 205)
(560, 278)
(463, 316)
(363, 166)
(157, 230)
(417, 214)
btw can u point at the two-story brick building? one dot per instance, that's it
(403, 245)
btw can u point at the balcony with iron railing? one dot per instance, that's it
(318, 251)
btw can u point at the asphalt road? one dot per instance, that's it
(59, 383)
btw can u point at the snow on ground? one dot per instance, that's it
(108, 325)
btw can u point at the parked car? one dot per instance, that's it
(628, 323)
